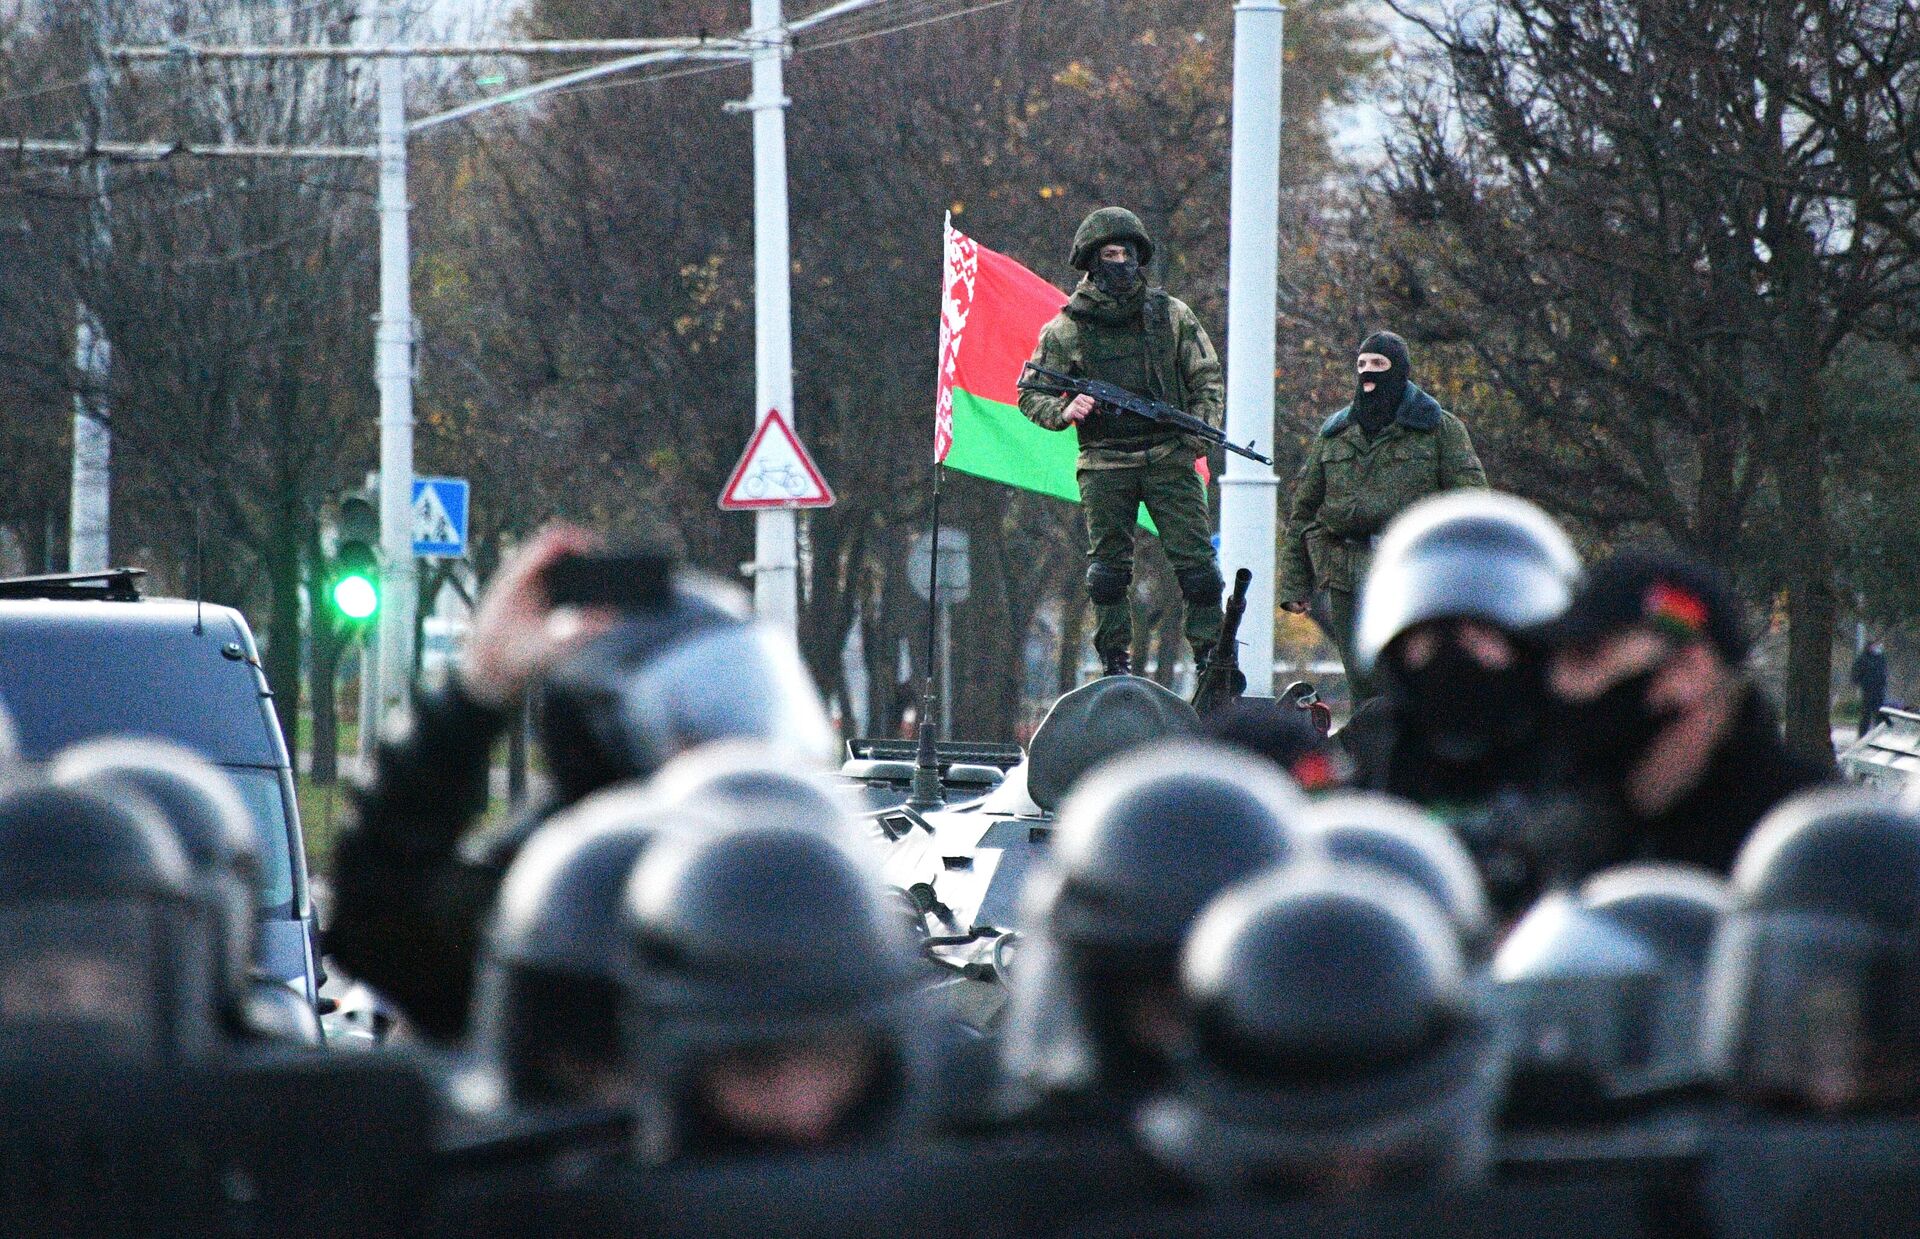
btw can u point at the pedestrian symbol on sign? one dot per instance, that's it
(440, 517)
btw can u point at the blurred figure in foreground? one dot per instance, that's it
(1811, 991)
(774, 1002)
(206, 816)
(1335, 1045)
(625, 689)
(1141, 846)
(106, 946)
(1671, 745)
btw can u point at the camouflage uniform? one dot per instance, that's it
(1350, 488)
(1158, 350)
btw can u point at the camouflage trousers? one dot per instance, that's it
(1342, 606)
(1176, 499)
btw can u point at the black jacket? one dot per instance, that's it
(1749, 773)
(409, 901)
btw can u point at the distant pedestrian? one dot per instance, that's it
(1870, 676)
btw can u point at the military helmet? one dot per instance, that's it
(1104, 227)
(1146, 840)
(664, 679)
(754, 936)
(556, 956)
(208, 819)
(105, 946)
(1381, 832)
(1332, 1022)
(1470, 554)
(1811, 990)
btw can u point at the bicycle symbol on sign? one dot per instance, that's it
(770, 480)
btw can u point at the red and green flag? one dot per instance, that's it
(990, 318)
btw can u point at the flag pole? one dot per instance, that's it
(927, 791)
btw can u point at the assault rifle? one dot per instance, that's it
(1221, 680)
(1120, 400)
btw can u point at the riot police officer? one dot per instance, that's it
(1334, 1044)
(1118, 329)
(1459, 587)
(1810, 989)
(1141, 845)
(773, 1002)
(105, 942)
(555, 969)
(623, 693)
(1379, 832)
(207, 817)
(1603, 990)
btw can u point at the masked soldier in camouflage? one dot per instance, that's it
(1119, 330)
(1394, 445)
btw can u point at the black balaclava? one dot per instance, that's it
(1465, 721)
(1117, 279)
(1374, 409)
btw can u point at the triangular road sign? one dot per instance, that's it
(775, 472)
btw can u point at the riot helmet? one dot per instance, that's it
(208, 819)
(105, 949)
(1141, 846)
(749, 782)
(1813, 989)
(1381, 832)
(1335, 1042)
(772, 1001)
(1458, 585)
(1578, 989)
(556, 959)
(666, 678)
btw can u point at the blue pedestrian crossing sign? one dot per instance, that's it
(440, 518)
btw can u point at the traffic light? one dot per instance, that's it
(353, 581)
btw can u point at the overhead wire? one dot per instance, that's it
(918, 7)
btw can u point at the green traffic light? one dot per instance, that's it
(355, 597)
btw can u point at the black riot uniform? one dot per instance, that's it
(106, 949)
(1335, 1044)
(1463, 739)
(1380, 832)
(1603, 989)
(409, 899)
(1141, 845)
(206, 815)
(753, 945)
(556, 963)
(1811, 990)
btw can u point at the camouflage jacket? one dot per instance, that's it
(1351, 486)
(1192, 373)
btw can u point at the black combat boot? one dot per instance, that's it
(1120, 662)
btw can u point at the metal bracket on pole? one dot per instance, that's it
(737, 106)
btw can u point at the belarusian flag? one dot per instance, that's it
(990, 319)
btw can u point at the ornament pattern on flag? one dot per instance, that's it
(956, 303)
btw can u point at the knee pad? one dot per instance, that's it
(1201, 586)
(1107, 584)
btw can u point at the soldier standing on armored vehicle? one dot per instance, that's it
(1393, 446)
(1119, 330)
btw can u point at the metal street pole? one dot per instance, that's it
(1249, 492)
(775, 588)
(92, 488)
(393, 369)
